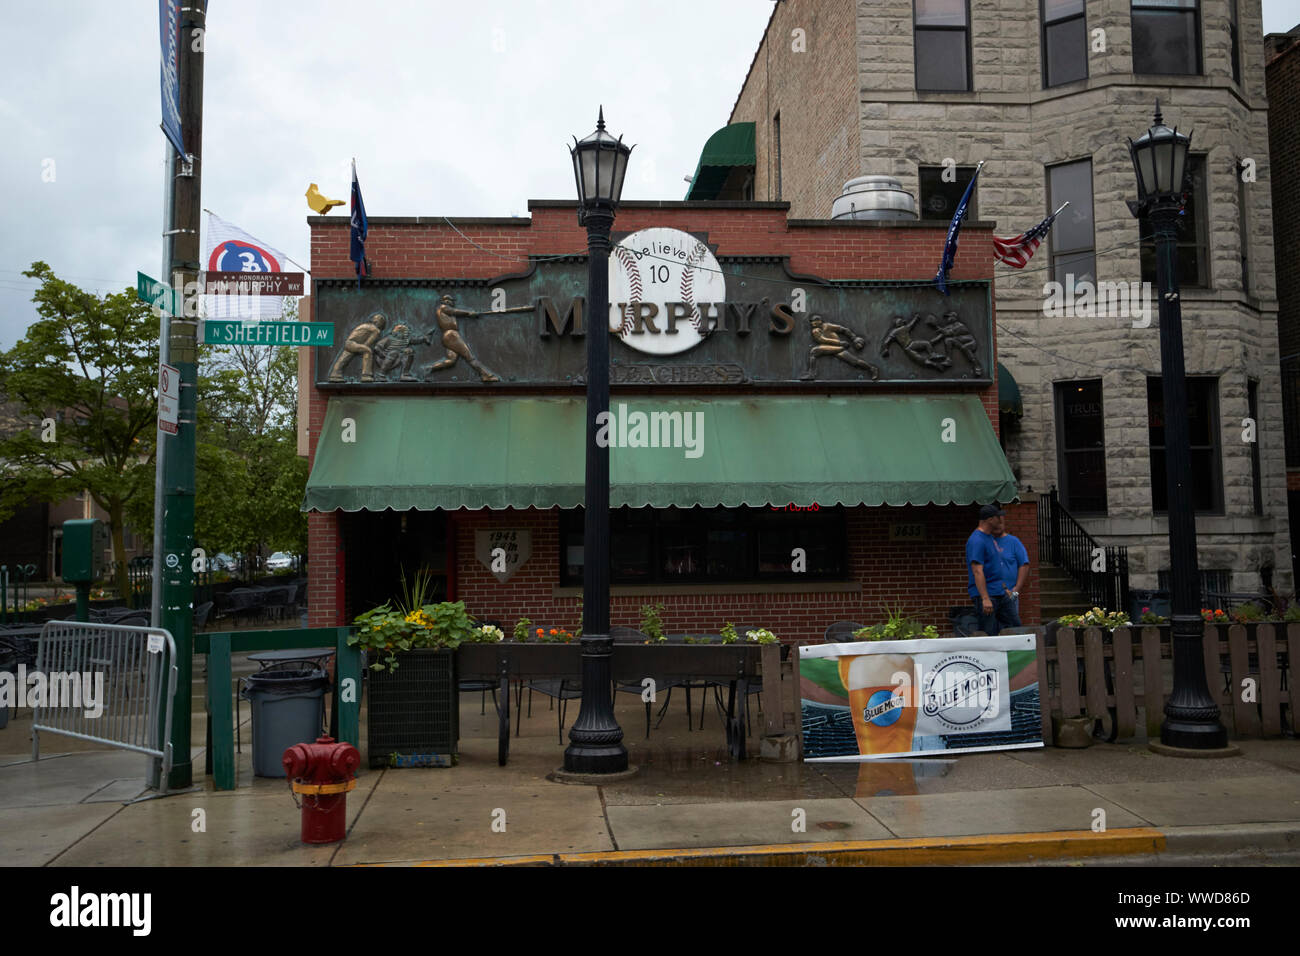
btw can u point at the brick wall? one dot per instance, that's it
(1283, 72)
(924, 581)
(803, 59)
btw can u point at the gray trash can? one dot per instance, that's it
(288, 707)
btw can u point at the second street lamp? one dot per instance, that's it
(1191, 715)
(596, 740)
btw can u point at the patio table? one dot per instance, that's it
(736, 665)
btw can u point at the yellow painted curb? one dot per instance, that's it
(918, 851)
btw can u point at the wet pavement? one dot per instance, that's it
(688, 802)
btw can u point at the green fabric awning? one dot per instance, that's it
(1009, 400)
(729, 147)
(427, 453)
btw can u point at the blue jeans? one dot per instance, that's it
(1005, 613)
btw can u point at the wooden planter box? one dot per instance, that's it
(413, 714)
(1110, 675)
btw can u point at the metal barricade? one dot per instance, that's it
(109, 683)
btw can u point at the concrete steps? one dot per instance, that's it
(1058, 594)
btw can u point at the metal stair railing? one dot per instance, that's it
(1099, 571)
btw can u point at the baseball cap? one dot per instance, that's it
(990, 511)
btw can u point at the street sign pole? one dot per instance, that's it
(174, 561)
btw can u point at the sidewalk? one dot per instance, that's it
(689, 804)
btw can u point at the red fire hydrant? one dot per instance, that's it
(323, 773)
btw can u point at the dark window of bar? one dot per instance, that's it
(1081, 444)
(1065, 42)
(1193, 241)
(939, 199)
(1203, 426)
(942, 45)
(711, 545)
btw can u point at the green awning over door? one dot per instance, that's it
(428, 453)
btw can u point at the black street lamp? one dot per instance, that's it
(596, 740)
(1191, 715)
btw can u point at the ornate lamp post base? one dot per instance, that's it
(560, 775)
(1167, 751)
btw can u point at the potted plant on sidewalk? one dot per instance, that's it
(413, 710)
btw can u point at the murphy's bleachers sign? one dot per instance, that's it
(678, 316)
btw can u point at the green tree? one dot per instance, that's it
(85, 378)
(249, 480)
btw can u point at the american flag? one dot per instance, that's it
(1018, 251)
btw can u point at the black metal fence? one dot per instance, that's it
(13, 591)
(1100, 571)
(139, 572)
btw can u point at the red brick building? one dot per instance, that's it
(825, 432)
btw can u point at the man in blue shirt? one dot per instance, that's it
(984, 570)
(1015, 568)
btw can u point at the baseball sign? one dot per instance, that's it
(658, 280)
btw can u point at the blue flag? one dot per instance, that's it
(954, 227)
(360, 226)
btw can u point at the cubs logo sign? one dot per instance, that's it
(238, 255)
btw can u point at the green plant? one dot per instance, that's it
(1096, 617)
(1151, 617)
(487, 634)
(415, 592)
(761, 636)
(728, 633)
(1249, 613)
(556, 635)
(652, 622)
(578, 633)
(1292, 614)
(383, 631)
(522, 627)
(897, 626)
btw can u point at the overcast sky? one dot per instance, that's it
(450, 108)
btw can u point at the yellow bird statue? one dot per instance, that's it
(320, 204)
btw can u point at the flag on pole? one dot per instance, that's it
(229, 249)
(360, 226)
(1018, 251)
(954, 228)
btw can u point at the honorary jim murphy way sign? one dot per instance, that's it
(919, 697)
(679, 315)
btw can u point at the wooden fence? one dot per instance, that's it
(1112, 675)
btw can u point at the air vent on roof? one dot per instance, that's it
(874, 197)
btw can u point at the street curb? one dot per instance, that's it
(920, 851)
(1215, 838)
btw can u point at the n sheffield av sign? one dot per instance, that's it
(218, 332)
(678, 316)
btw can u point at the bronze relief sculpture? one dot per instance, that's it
(834, 340)
(446, 315)
(360, 341)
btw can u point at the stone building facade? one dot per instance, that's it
(1051, 91)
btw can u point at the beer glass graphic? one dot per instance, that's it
(882, 702)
